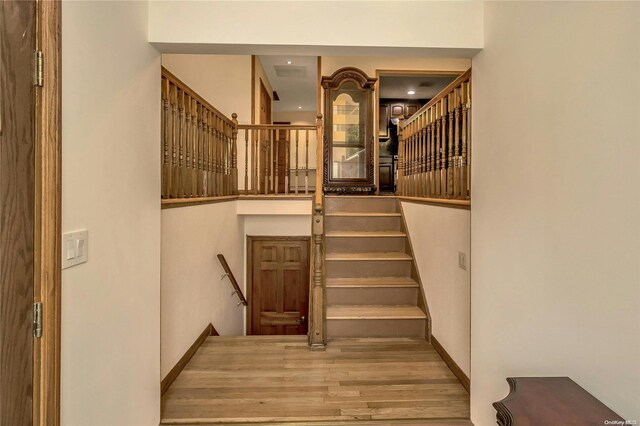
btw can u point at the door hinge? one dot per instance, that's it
(38, 77)
(37, 319)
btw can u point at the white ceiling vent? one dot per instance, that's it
(290, 71)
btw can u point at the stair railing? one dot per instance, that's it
(199, 150)
(276, 155)
(317, 329)
(232, 279)
(434, 153)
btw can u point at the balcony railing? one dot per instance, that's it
(434, 154)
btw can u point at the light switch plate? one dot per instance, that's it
(462, 260)
(75, 248)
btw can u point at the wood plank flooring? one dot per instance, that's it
(276, 379)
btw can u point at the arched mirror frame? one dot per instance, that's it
(331, 184)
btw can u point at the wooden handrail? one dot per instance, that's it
(199, 149)
(434, 152)
(234, 283)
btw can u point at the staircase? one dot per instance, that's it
(371, 283)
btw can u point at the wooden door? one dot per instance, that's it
(17, 195)
(279, 285)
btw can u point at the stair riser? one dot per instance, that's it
(341, 223)
(362, 245)
(360, 204)
(372, 296)
(366, 269)
(376, 328)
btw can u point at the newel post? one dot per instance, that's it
(234, 155)
(317, 328)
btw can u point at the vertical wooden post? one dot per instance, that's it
(428, 154)
(297, 146)
(457, 167)
(287, 160)
(443, 147)
(166, 139)
(196, 160)
(402, 158)
(317, 328)
(255, 185)
(181, 137)
(277, 168)
(234, 155)
(306, 163)
(450, 149)
(246, 161)
(175, 141)
(191, 130)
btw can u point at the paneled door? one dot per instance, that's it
(17, 210)
(278, 282)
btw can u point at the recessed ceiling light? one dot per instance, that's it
(411, 92)
(289, 62)
(299, 107)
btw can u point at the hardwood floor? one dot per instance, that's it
(273, 379)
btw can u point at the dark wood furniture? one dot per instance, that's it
(550, 401)
(386, 176)
(348, 137)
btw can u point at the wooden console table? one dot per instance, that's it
(550, 401)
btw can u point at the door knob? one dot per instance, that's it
(301, 320)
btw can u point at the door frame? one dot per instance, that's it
(249, 274)
(48, 215)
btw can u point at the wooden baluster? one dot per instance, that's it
(234, 154)
(436, 169)
(175, 141)
(297, 140)
(196, 158)
(443, 147)
(227, 159)
(275, 161)
(401, 159)
(306, 162)
(456, 138)
(166, 139)
(414, 158)
(246, 161)
(423, 154)
(188, 150)
(466, 139)
(213, 138)
(272, 178)
(427, 169)
(450, 151)
(181, 145)
(287, 161)
(206, 153)
(220, 153)
(215, 149)
(255, 185)
(265, 148)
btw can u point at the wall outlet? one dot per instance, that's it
(462, 260)
(75, 248)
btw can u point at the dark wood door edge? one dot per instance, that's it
(182, 362)
(455, 369)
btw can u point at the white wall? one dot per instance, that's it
(556, 202)
(437, 235)
(223, 26)
(111, 186)
(193, 295)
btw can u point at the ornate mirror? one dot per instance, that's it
(348, 135)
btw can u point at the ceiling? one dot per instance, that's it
(425, 86)
(295, 83)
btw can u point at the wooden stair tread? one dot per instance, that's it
(364, 234)
(362, 214)
(375, 256)
(371, 282)
(342, 312)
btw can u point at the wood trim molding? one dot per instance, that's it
(172, 203)
(441, 202)
(182, 362)
(455, 369)
(253, 89)
(48, 214)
